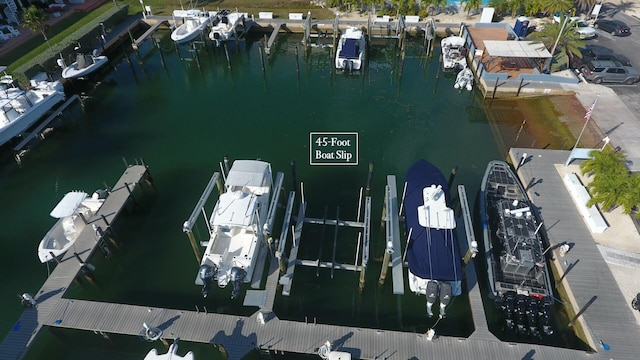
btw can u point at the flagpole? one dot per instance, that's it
(587, 118)
(586, 122)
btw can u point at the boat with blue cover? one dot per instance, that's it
(351, 50)
(435, 266)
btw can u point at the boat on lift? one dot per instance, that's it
(453, 53)
(519, 278)
(238, 227)
(350, 52)
(225, 26)
(23, 108)
(194, 23)
(72, 212)
(435, 267)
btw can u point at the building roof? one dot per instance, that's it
(510, 48)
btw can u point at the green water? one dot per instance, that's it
(183, 118)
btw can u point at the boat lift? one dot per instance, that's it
(287, 266)
(187, 226)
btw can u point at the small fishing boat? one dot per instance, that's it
(225, 26)
(84, 65)
(464, 79)
(23, 108)
(453, 53)
(237, 227)
(519, 277)
(72, 212)
(435, 267)
(351, 50)
(172, 354)
(194, 23)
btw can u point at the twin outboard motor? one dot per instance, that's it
(445, 297)
(207, 273)
(347, 65)
(236, 277)
(27, 300)
(532, 317)
(508, 307)
(521, 313)
(432, 295)
(544, 316)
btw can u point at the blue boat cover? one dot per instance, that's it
(432, 254)
(349, 49)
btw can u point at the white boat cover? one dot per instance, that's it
(511, 48)
(251, 173)
(68, 205)
(234, 209)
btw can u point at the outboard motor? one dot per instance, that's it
(532, 316)
(544, 316)
(236, 277)
(432, 295)
(445, 298)
(521, 313)
(508, 307)
(206, 273)
(635, 302)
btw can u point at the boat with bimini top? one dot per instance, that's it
(435, 267)
(453, 52)
(351, 50)
(237, 231)
(171, 354)
(519, 277)
(225, 26)
(72, 212)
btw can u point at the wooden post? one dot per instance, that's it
(194, 246)
(385, 267)
(495, 88)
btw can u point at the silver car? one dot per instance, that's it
(600, 71)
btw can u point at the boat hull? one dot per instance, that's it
(350, 53)
(514, 250)
(16, 124)
(191, 29)
(432, 253)
(72, 71)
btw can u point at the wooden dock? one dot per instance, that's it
(50, 296)
(604, 314)
(137, 42)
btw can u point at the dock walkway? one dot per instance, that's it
(604, 312)
(49, 297)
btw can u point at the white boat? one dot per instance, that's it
(225, 26)
(464, 79)
(72, 211)
(84, 65)
(23, 108)
(237, 227)
(351, 50)
(453, 52)
(172, 354)
(194, 23)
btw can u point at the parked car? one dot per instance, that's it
(598, 52)
(600, 71)
(584, 30)
(613, 27)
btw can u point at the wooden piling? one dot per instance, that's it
(194, 246)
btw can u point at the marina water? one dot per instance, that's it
(182, 118)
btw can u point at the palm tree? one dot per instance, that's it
(500, 6)
(471, 5)
(630, 198)
(556, 6)
(607, 190)
(569, 42)
(604, 162)
(585, 5)
(33, 18)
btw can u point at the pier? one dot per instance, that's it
(137, 42)
(50, 296)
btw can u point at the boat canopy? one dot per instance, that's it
(453, 41)
(350, 49)
(253, 174)
(68, 205)
(235, 208)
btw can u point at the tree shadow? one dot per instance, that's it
(609, 9)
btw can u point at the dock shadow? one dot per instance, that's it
(236, 345)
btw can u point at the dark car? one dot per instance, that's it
(613, 27)
(597, 52)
